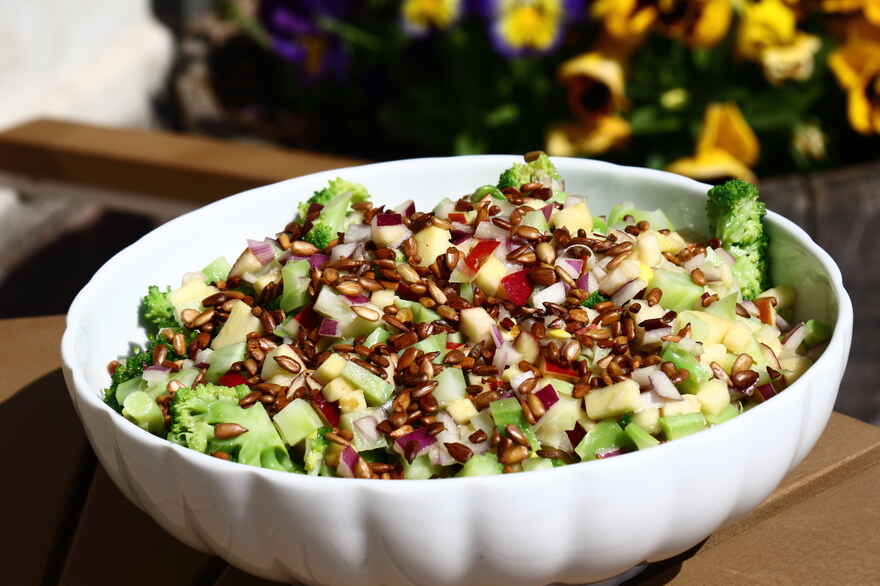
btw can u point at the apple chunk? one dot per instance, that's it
(431, 243)
(476, 324)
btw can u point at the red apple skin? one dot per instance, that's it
(453, 345)
(554, 370)
(457, 217)
(231, 379)
(516, 287)
(329, 411)
(765, 310)
(479, 253)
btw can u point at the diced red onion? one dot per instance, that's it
(407, 208)
(764, 392)
(694, 262)
(444, 208)
(663, 386)
(555, 293)
(388, 219)
(712, 272)
(547, 210)
(642, 375)
(548, 396)
(423, 440)
(318, 260)
(438, 455)
(519, 379)
(459, 236)
(576, 434)
(781, 324)
(262, 250)
(345, 250)
(608, 453)
(505, 355)
(366, 426)
(329, 327)
(489, 231)
(155, 374)
(628, 291)
(462, 227)
(348, 461)
(599, 273)
(496, 336)
(357, 299)
(794, 338)
(572, 266)
(725, 256)
(358, 233)
(655, 336)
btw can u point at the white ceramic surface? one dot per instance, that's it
(572, 524)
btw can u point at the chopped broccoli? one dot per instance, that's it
(594, 299)
(195, 411)
(541, 170)
(735, 217)
(330, 222)
(157, 311)
(335, 188)
(132, 367)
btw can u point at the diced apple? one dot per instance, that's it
(273, 275)
(336, 389)
(527, 346)
(553, 370)
(738, 337)
(574, 218)
(649, 419)
(613, 400)
(239, 324)
(515, 287)
(769, 335)
(713, 396)
(271, 367)
(246, 263)
(688, 404)
(793, 367)
(705, 327)
(461, 410)
(190, 295)
(352, 402)
(626, 271)
(382, 298)
(713, 353)
(490, 275)
(431, 243)
(476, 324)
(282, 380)
(671, 242)
(331, 368)
(784, 295)
(648, 249)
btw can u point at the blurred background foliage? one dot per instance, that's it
(707, 88)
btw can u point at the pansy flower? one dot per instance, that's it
(857, 68)
(530, 27)
(594, 85)
(727, 147)
(421, 16)
(295, 33)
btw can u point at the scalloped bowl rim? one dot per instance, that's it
(666, 450)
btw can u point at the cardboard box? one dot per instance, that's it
(72, 527)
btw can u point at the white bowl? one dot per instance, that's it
(573, 524)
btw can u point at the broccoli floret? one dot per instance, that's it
(331, 221)
(540, 170)
(594, 299)
(157, 311)
(735, 218)
(195, 411)
(132, 367)
(335, 188)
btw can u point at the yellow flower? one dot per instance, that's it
(870, 8)
(794, 61)
(528, 25)
(727, 147)
(595, 85)
(625, 19)
(767, 23)
(600, 134)
(698, 23)
(421, 15)
(857, 67)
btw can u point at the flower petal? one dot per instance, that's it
(711, 164)
(724, 128)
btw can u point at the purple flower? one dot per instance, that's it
(529, 27)
(296, 35)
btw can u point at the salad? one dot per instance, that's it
(507, 330)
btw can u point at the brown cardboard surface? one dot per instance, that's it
(72, 526)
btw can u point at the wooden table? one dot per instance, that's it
(71, 526)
